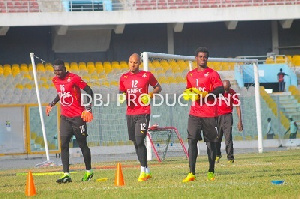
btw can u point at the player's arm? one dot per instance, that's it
(287, 130)
(49, 107)
(90, 92)
(87, 114)
(239, 114)
(157, 88)
(218, 90)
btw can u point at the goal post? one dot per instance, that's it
(147, 56)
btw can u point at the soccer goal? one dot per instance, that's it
(171, 70)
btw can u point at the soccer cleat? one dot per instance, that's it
(231, 161)
(218, 159)
(189, 177)
(87, 176)
(148, 175)
(142, 177)
(64, 179)
(211, 176)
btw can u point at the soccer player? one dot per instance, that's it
(134, 84)
(225, 107)
(207, 85)
(73, 117)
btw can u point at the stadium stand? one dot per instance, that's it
(14, 6)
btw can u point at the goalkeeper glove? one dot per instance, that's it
(122, 98)
(202, 94)
(87, 116)
(145, 99)
(48, 109)
(186, 94)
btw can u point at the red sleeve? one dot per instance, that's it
(79, 82)
(152, 80)
(122, 87)
(188, 83)
(216, 80)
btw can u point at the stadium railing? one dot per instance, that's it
(13, 6)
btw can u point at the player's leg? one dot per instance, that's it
(141, 127)
(80, 132)
(65, 136)
(218, 144)
(194, 134)
(227, 128)
(211, 136)
(131, 131)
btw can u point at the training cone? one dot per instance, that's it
(119, 180)
(30, 188)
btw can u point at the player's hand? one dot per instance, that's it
(202, 94)
(122, 98)
(240, 126)
(87, 116)
(48, 109)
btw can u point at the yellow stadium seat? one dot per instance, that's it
(28, 86)
(1, 70)
(296, 60)
(40, 67)
(82, 66)
(15, 69)
(19, 86)
(7, 71)
(280, 59)
(28, 76)
(269, 60)
(6, 66)
(74, 67)
(24, 68)
(67, 65)
(49, 67)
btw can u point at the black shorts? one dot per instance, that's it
(73, 126)
(137, 125)
(225, 125)
(207, 125)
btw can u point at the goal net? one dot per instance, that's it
(170, 71)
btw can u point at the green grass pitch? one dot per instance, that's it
(249, 177)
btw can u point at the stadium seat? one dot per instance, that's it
(82, 66)
(74, 67)
(1, 70)
(269, 60)
(40, 67)
(24, 68)
(67, 65)
(280, 59)
(296, 60)
(19, 86)
(48, 67)
(6, 71)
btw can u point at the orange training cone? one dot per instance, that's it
(119, 180)
(30, 188)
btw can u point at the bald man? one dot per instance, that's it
(134, 84)
(225, 120)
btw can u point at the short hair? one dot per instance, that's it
(269, 119)
(291, 119)
(202, 50)
(59, 62)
